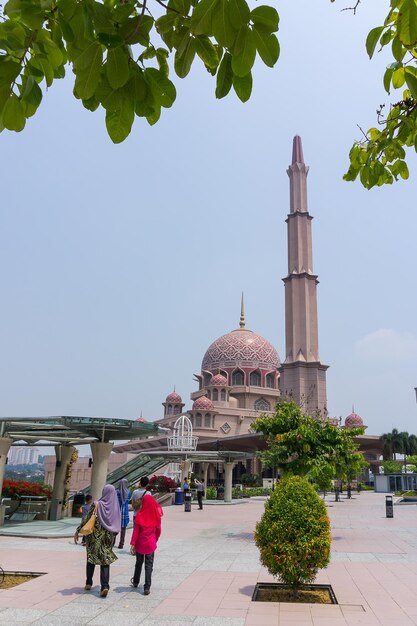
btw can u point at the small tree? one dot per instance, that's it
(392, 467)
(293, 535)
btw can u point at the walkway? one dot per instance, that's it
(206, 568)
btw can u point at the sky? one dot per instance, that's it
(121, 264)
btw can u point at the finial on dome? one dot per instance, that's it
(242, 313)
(297, 150)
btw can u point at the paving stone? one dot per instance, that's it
(25, 616)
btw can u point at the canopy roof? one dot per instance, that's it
(74, 430)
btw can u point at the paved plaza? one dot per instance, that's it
(206, 568)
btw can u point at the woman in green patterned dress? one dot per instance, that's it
(101, 541)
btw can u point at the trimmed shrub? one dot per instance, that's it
(293, 535)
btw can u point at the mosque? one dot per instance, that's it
(241, 372)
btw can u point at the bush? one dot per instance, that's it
(211, 493)
(293, 535)
(163, 484)
(251, 480)
(23, 488)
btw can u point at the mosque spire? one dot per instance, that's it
(297, 173)
(242, 313)
(303, 376)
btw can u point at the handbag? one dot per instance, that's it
(88, 527)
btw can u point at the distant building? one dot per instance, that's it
(24, 455)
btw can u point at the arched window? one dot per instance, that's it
(209, 394)
(207, 420)
(223, 395)
(238, 378)
(192, 420)
(198, 420)
(177, 409)
(270, 381)
(262, 405)
(255, 379)
(215, 395)
(169, 409)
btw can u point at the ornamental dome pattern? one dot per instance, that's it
(241, 347)
(354, 421)
(173, 398)
(203, 404)
(219, 380)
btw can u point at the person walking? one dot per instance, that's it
(123, 495)
(146, 532)
(84, 510)
(138, 494)
(186, 486)
(200, 493)
(101, 541)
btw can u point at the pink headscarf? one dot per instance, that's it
(108, 510)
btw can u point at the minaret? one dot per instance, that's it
(303, 376)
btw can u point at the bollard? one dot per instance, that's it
(336, 495)
(389, 506)
(187, 501)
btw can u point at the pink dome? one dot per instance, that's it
(173, 398)
(140, 419)
(219, 380)
(203, 404)
(354, 421)
(240, 347)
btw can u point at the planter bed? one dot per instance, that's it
(278, 592)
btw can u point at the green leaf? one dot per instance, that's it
(87, 79)
(224, 76)
(32, 95)
(183, 62)
(201, 19)
(119, 122)
(267, 46)
(166, 23)
(136, 30)
(206, 51)
(117, 67)
(265, 17)
(411, 80)
(243, 86)
(162, 89)
(407, 22)
(387, 79)
(372, 39)
(9, 70)
(239, 13)
(13, 114)
(398, 78)
(398, 51)
(223, 29)
(243, 61)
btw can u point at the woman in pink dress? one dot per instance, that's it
(146, 532)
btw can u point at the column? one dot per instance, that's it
(228, 472)
(100, 451)
(185, 470)
(205, 467)
(5, 443)
(63, 457)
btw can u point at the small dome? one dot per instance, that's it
(203, 404)
(174, 398)
(354, 421)
(219, 380)
(140, 419)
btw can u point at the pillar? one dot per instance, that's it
(204, 467)
(63, 457)
(185, 470)
(228, 472)
(100, 451)
(5, 443)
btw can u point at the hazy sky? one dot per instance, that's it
(121, 264)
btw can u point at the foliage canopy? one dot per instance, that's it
(119, 52)
(302, 444)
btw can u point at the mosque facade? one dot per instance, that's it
(241, 372)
